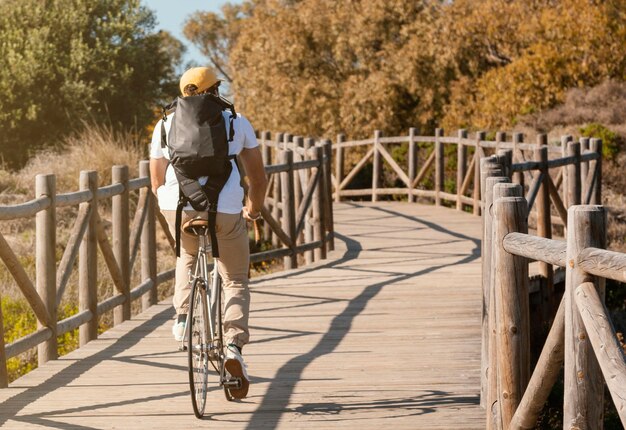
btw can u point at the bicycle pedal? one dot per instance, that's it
(233, 383)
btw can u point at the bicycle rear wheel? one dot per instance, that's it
(198, 346)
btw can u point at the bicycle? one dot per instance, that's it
(204, 330)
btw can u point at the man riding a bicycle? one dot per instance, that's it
(231, 230)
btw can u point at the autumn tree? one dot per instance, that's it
(320, 66)
(214, 34)
(535, 52)
(65, 62)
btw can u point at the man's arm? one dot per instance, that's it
(157, 172)
(252, 161)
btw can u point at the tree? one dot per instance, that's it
(70, 61)
(546, 47)
(319, 67)
(214, 34)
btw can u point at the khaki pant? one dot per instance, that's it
(232, 265)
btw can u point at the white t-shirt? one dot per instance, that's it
(231, 196)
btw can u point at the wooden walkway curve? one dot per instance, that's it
(384, 332)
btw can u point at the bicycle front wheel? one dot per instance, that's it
(198, 346)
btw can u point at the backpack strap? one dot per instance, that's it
(182, 201)
(165, 111)
(198, 196)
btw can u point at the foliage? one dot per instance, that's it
(65, 61)
(611, 141)
(527, 65)
(318, 67)
(214, 34)
(19, 320)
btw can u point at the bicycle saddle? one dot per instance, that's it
(196, 227)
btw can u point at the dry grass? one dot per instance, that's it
(97, 147)
(604, 104)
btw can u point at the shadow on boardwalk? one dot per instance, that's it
(330, 347)
(340, 327)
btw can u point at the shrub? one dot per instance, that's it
(611, 141)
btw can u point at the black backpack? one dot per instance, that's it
(198, 146)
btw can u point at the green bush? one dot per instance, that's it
(19, 320)
(611, 141)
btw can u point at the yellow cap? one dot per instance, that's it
(202, 77)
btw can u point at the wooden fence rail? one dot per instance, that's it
(304, 206)
(581, 336)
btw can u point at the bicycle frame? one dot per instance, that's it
(214, 351)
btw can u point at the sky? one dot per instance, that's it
(171, 14)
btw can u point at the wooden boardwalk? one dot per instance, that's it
(385, 332)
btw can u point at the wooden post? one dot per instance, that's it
(148, 240)
(564, 140)
(573, 175)
(308, 226)
(479, 136)
(584, 387)
(45, 262)
(584, 167)
(596, 195)
(4, 376)
(544, 229)
(412, 161)
(120, 215)
(88, 262)
(298, 182)
(439, 168)
(500, 138)
(505, 158)
(328, 200)
(461, 167)
(511, 278)
(376, 166)
(489, 168)
(318, 207)
(499, 190)
(267, 160)
(518, 177)
(289, 211)
(287, 138)
(339, 166)
(489, 360)
(276, 211)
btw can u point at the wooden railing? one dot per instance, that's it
(299, 195)
(424, 174)
(581, 336)
(302, 202)
(88, 233)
